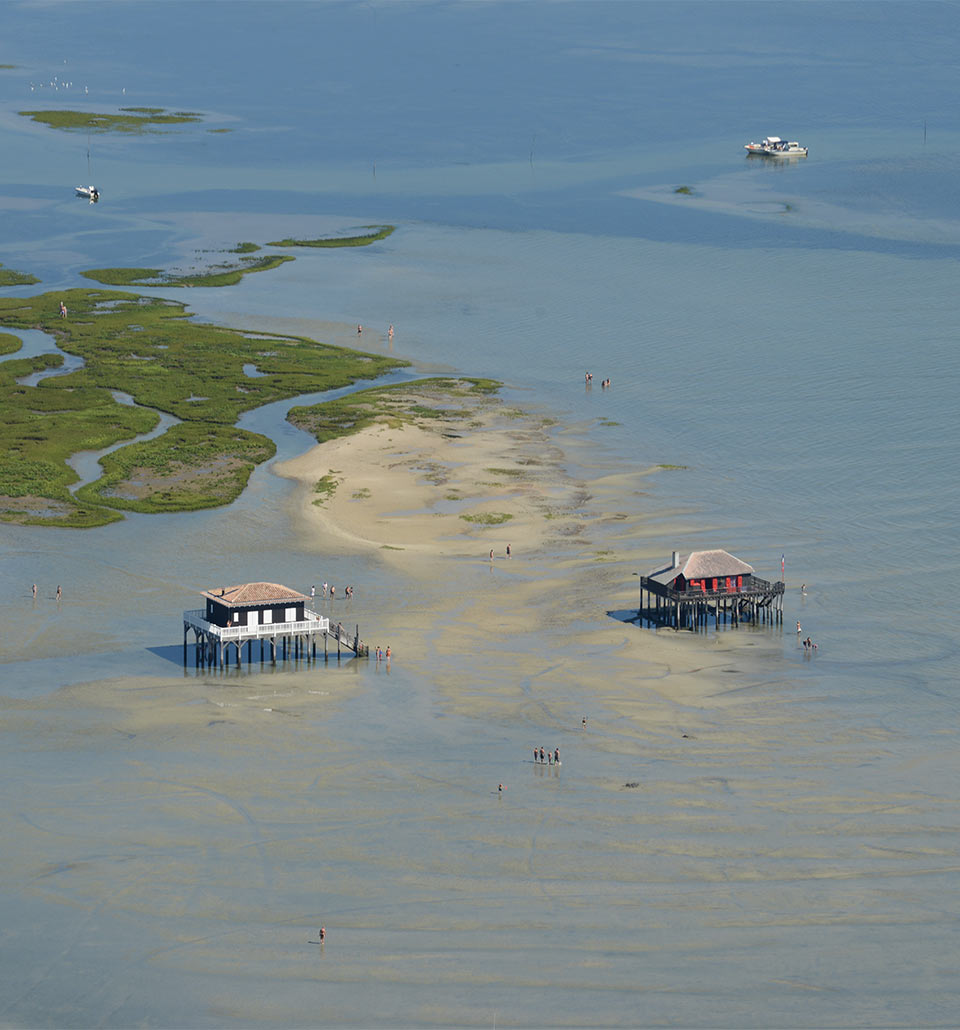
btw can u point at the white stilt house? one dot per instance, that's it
(250, 612)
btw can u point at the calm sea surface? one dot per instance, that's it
(787, 333)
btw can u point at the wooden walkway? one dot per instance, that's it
(295, 640)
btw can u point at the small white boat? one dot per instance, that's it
(90, 192)
(774, 146)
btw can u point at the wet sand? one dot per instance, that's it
(173, 843)
(172, 846)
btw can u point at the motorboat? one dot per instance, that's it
(774, 146)
(90, 192)
(781, 148)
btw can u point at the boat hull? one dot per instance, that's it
(774, 146)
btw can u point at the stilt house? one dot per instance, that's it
(691, 587)
(266, 612)
(253, 604)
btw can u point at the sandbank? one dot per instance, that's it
(540, 617)
(480, 478)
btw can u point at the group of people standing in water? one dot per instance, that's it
(331, 591)
(542, 757)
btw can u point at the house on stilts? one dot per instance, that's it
(704, 583)
(264, 612)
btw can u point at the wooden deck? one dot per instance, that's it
(287, 639)
(758, 600)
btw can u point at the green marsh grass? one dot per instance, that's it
(218, 276)
(129, 120)
(191, 466)
(488, 518)
(8, 277)
(395, 405)
(9, 344)
(360, 240)
(149, 348)
(326, 487)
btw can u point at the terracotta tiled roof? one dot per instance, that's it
(254, 593)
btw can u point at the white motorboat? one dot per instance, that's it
(90, 192)
(774, 146)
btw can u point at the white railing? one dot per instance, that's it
(312, 623)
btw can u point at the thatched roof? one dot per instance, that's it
(703, 565)
(247, 594)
